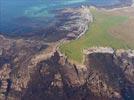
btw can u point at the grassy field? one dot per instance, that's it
(97, 35)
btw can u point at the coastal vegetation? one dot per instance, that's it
(97, 35)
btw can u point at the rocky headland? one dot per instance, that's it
(30, 71)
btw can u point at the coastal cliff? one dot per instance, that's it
(26, 74)
(33, 68)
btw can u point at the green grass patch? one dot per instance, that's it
(97, 35)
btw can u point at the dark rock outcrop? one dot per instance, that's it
(112, 73)
(15, 57)
(102, 78)
(28, 74)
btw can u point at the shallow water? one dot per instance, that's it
(28, 16)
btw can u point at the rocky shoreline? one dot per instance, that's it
(123, 3)
(70, 24)
(75, 21)
(34, 70)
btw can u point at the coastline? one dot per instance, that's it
(66, 48)
(120, 8)
(114, 8)
(123, 5)
(38, 69)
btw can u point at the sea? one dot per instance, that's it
(30, 16)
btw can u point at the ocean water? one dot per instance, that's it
(30, 16)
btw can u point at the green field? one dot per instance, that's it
(97, 35)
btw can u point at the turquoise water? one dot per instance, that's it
(28, 16)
